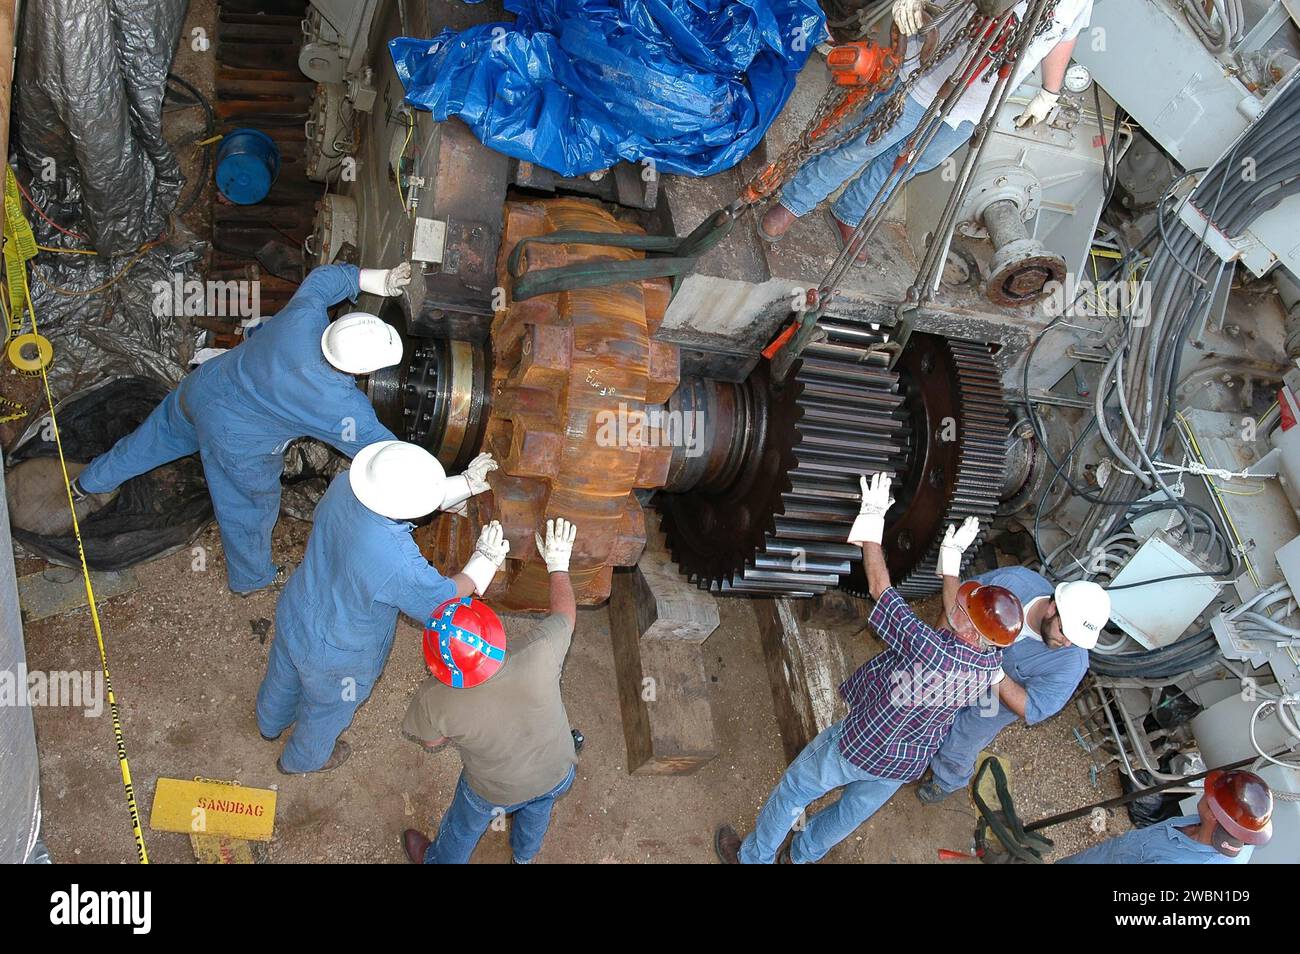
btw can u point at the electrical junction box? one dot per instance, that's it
(429, 241)
(1158, 614)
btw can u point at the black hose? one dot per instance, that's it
(211, 131)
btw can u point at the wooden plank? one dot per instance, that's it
(667, 605)
(658, 635)
(805, 667)
(58, 590)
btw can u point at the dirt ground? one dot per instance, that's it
(186, 657)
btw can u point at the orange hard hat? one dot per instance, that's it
(1241, 802)
(994, 611)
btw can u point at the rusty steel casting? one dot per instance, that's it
(573, 375)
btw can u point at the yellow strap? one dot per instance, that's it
(119, 737)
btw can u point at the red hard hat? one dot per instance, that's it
(464, 643)
(994, 611)
(1242, 803)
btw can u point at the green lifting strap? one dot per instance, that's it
(671, 257)
(1023, 846)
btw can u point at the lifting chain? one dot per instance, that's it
(820, 135)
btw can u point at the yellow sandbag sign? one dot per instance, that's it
(208, 807)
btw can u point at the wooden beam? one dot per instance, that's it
(658, 622)
(805, 667)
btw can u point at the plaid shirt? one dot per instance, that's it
(903, 702)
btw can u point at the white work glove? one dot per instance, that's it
(468, 484)
(386, 281)
(489, 553)
(955, 542)
(476, 473)
(909, 16)
(558, 545)
(1039, 108)
(869, 527)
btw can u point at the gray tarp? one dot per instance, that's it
(89, 86)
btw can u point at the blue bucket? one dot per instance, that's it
(247, 164)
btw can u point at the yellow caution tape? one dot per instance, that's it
(31, 353)
(16, 411)
(19, 246)
(119, 737)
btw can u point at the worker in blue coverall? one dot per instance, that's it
(1043, 668)
(291, 378)
(335, 621)
(1234, 815)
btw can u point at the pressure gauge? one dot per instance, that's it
(1077, 78)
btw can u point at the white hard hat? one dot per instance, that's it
(398, 480)
(359, 343)
(1084, 608)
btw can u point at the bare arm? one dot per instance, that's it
(1012, 695)
(873, 557)
(562, 601)
(950, 586)
(464, 585)
(1055, 64)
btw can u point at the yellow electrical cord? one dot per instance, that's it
(397, 173)
(77, 293)
(67, 251)
(118, 735)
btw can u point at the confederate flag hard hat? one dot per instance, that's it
(464, 643)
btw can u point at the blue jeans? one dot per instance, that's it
(954, 763)
(470, 815)
(823, 175)
(819, 768)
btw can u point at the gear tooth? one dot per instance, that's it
(842, 415)
(846, 414)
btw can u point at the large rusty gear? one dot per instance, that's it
(959, 431)
(776, 524)
(572, 376)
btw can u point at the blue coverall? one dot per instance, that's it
(1158, 844)
(1049, 677)
(335, 622)
(240, 410)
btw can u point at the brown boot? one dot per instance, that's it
(340, 755)
(415, 845)
(846, 236)
(776, 221)
(727, 844)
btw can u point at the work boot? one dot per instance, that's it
(415, 845)
(277, 582)
(340, 755)
(776, 221)
(38, 500)
(931, 794)
(846, 236)
(727, 844)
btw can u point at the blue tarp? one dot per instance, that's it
(576, 85)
